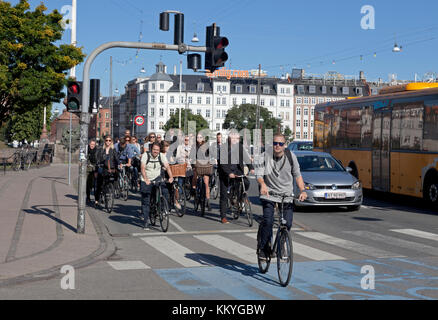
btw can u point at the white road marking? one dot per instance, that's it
(418, 233)
(349, 245)
(306, 251)
(175, 251)
(232, 247)
(128, 265)
(177, 226)
(396, 242)
(172, 233)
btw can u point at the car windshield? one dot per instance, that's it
(318, 163)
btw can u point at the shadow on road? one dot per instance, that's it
(48, 213)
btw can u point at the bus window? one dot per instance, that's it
(365, 128)
(411, 134)
(352, 132)
(396, 127)
(430, 142)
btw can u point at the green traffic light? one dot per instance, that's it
(72, 106)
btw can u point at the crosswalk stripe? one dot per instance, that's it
(396, 241)
(418, 233)
(175, 251)
(306, 251)
(349, 245)
(128, 265)
(232, 247)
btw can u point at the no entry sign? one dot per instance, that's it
(139, 120)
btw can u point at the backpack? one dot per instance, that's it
(288, 154)
(149, 157)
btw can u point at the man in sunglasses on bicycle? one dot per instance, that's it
(275, 171)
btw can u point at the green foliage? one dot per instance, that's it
(28, 125)
(173, 122)
(289, 135)
(238, 114)
(75, 139)
(32, 68)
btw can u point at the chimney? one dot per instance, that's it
(361, 75)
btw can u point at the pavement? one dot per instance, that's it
(38, 221)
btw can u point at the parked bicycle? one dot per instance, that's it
(159, 206)
(22, 159)
(238, 199)
(281, 249)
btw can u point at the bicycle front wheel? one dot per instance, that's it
(181, 200)
(284, 257)
(125, 188)
(248, 211)
(164, 215)
(109, 198)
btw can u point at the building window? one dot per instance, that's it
(313, 100)
(152, 99)
(320, 100)
(306, 100)
(305, 123)
(218, 113)
(152, 125)
(312, 111)
(161, 86)
(218, 126)
(207, 113)
(106, 115)
(298, 135)
(172, 99)
(300, 89)
(298, 123)
(218, 100)
(224, 114)
(282, 90)
(200, 87)
(312, 89)
(359, 91)
(243, 101)
(253, 101)
(238, 89)
(272, 102)
(152, 86)
(324, 90)
(252, 89)
(172, 111)
(298, 111)
(266, 89)
(224, 88)
(345, 90)
(262, 102)
(161, 99)
(311, 123)
(234, 101)
(287, 90)
(198, 112)
(224, 101)
(287, 115)
(305, 134)
(161, 112)
(287, 103)
(190, 100)
(281, 103)
(334, 90)
(306, 111)
(218, 88)
(199, 100)
(152, 112)
(299, 100)
(161, 125)
(208, 100)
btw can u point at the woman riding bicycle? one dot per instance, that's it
(202, 161)
(107, 163)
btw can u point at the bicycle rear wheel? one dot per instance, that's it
(153, 214)
(284, 257)
(202, 198)
(248, 211)
(125, 191)
(181, 199)
(164, 215)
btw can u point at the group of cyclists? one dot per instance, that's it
(150, 165)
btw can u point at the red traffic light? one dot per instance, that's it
(221, 42)
(74, 88)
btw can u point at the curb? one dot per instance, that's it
(106, 249)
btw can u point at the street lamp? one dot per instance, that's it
(245, 123)
(279, 118)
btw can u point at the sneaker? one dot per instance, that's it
(177, 205)
(146, 227)
(261, 254)
(224, 220)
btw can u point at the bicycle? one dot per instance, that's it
(282, 247)
(123, 182)
(177, 191)
(159, 206)
(200, 191)
(214, 184)
(238, 200)
(106, 197)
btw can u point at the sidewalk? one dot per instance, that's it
(38, 220)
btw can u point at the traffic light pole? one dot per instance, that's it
(85, 116)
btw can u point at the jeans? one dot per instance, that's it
(265, 228)
(148, 191)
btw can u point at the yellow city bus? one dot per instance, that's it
(390, 141)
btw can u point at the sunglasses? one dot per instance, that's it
(152, 137)
(107, 140)
(278, 143)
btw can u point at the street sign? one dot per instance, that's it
(139, 120)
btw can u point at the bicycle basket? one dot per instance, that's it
(204, 169)
(178, 170)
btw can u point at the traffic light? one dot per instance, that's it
(215, 56)
(74, 96)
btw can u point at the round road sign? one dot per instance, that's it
(139, 120)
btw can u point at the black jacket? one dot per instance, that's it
(237, 158)
(103, 158)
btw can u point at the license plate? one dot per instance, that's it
(334, 195)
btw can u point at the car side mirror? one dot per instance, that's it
(349, 170)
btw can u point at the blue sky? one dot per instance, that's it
(319, 35)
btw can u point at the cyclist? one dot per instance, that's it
(135, 146)
(275, 174)
(183, 156)
(151, 164)
(171, 160)
(202, 159)
(150, 139)
(93, 151)
(233, 158)
(107, 163)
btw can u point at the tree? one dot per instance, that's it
(238, 114)
(173, 122)
(28, 125)
(32, 68)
